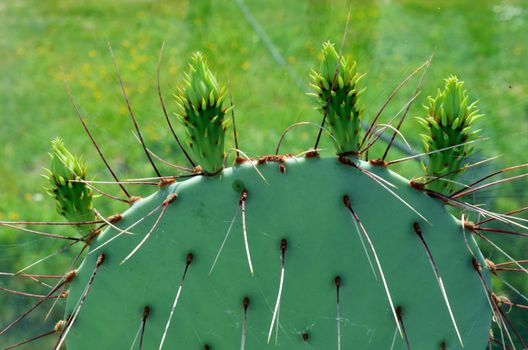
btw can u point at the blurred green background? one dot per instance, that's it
(265, 49)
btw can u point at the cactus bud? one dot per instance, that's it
(73, 197)
(449, 122)
(338, 97)
(201, 111)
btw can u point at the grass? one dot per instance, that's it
(484, 45)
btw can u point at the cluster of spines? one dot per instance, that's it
(449, 123)
(66, 179)
(336, 88)
(200, 101)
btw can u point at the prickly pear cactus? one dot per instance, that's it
(285, 252)
(298, 239)
(260, 259)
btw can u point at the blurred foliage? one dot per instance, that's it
(484, 44)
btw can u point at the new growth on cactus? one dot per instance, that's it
(66, 177)
(284, 252)
(336, 88)
(449, 126)
(200, 102)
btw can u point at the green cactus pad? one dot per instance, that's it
(300, 207)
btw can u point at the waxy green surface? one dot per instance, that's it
(303, 205)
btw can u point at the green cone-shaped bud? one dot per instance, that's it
(449, 122)
(200, 100)
(338, 96)
(73, 197)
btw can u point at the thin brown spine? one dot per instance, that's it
(69, 322)
(160, 95)
(337, 282)
(146, 313)
(399, 313)
(32, 339)
(457, 193)
(81, 119)
(67, 279)
(130, 112)
(188, 260)
(391, 96)
(245, 305)
(407, 108)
